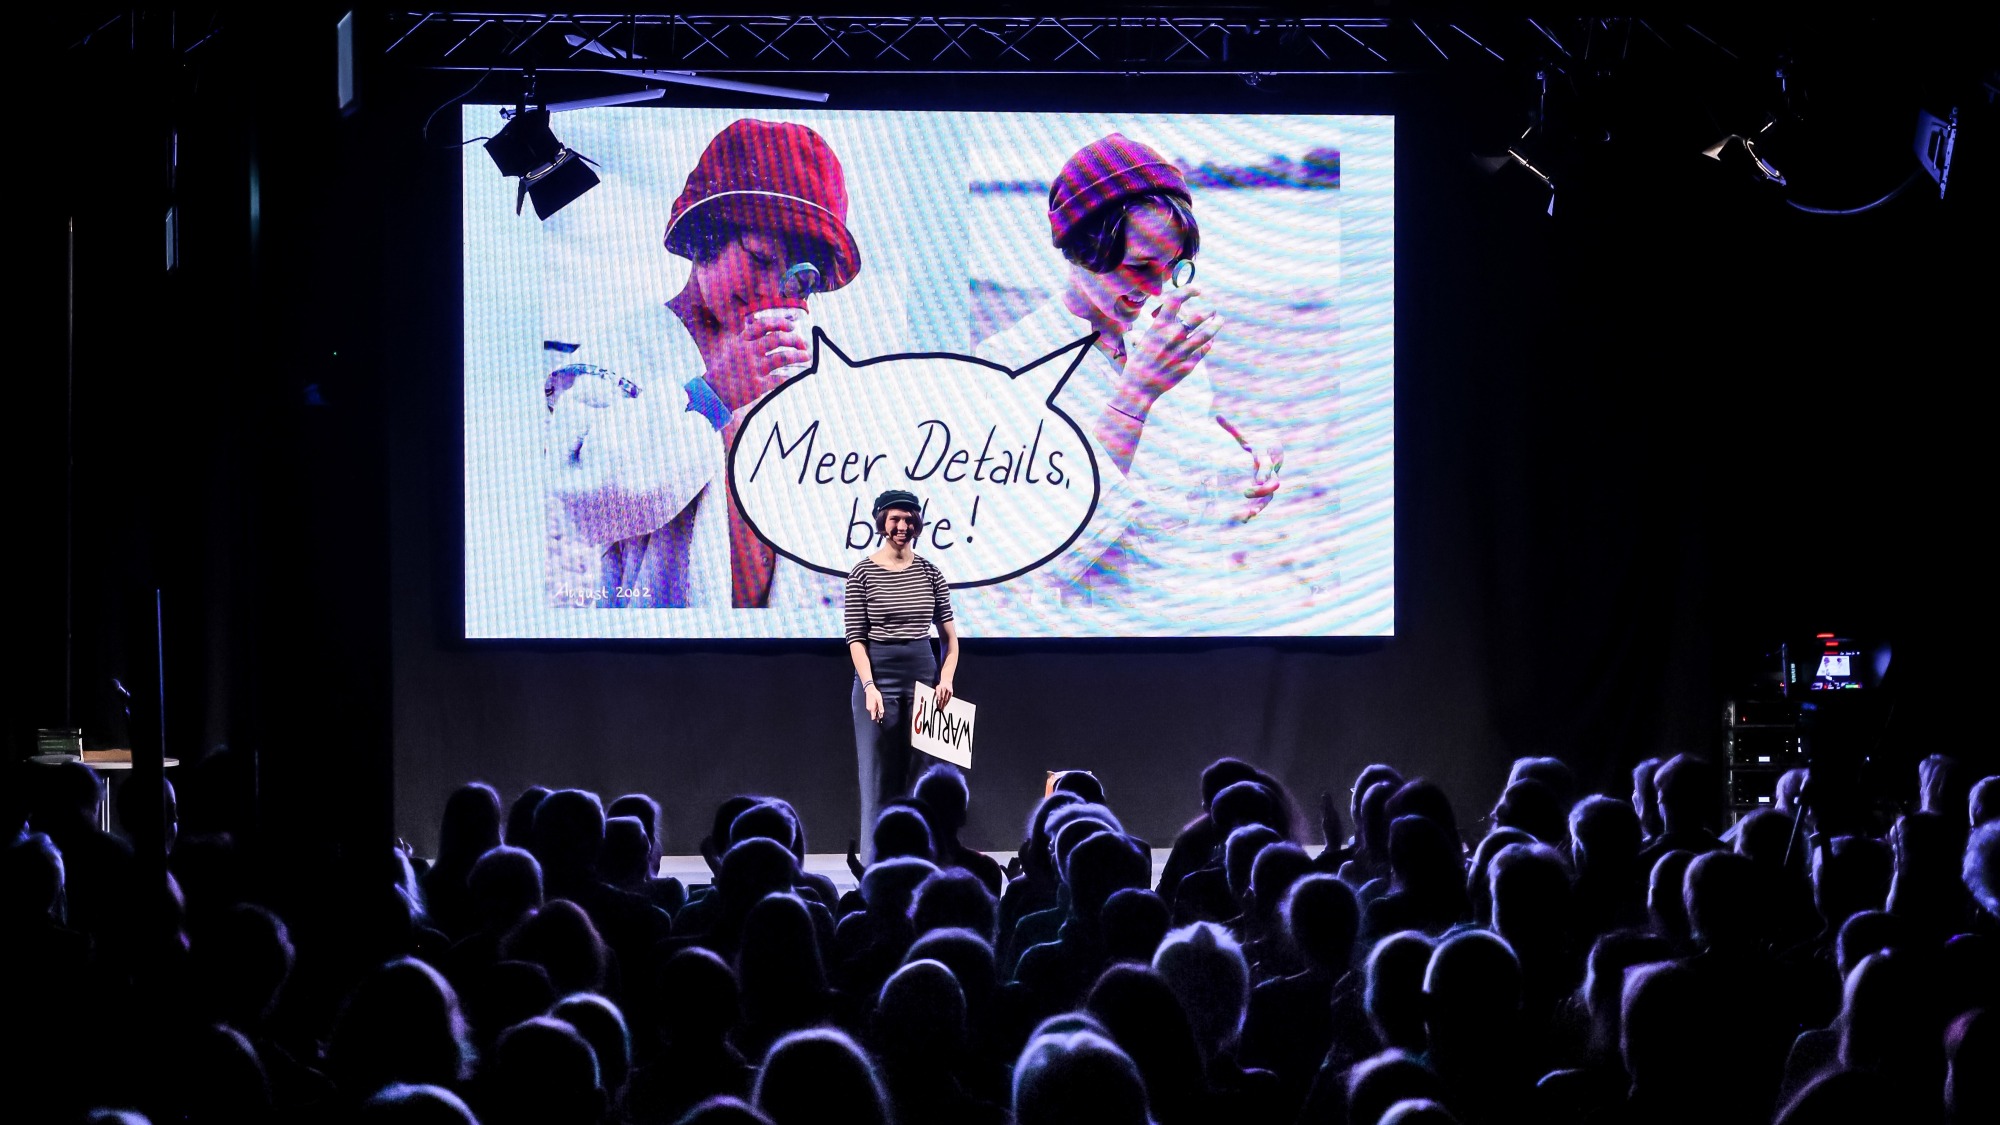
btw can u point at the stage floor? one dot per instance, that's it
(693, 871)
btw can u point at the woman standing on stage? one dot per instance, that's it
(894, 596)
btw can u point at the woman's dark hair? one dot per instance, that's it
(882, 520)
(1098, 242)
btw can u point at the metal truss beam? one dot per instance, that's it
(1186, 41)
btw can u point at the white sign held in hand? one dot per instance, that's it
(942, 732)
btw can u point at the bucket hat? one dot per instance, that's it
(770, 176)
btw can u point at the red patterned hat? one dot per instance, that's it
(1104, 172)
(770, 176)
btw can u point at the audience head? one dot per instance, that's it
(756, 867)
(560, 938)
(1371, 822)
(1666, 1035)
(766, 819)
(144, 795)
(1321, 917)
(1378, 1083)
(505, 993)
(1423, 857)
(1479, 875)
(1240, 852)
(942, 787)
(470, 827)
(1472, 986)
(1394, 995)
(401, 1024)
(1221, 774)
(404, 1103)
(569, 831)
(1604, 836)
(1422, 797)
(220, 1076)
(779, 962)
(1764, 836)
(1982, 867)
(1983, 804)
(1840, 1097)
(921, 1013)
(1690, 794)
(521, 816)
(1972, 1078)
(1851, 874)
(601, 1025)
(955, 898)
(902, 831)
(1204, 967)
(1245, 803)
(628, 852)
(70, 797)
(809, 1072)
(1530, 895)
(1083, 783)
(1369, 777)
(1533, 808)
(1036, 854)
(542, 1072)
(1099, 867)
(717, 841)
(646, 811)
(1881, 1018)
(1272, 873)
(1077, 1078)
(1140, 1013)
(31, 882)
(1725, 901)
(505, 884)
(968, 956)
(723, 1110)
(889, 887)
(241, 963)
(1646, 795)
(1865, 932)
(1666, 898)
(696, 997)
(1417, 1111)
(1604, 982)
(1134, 920)
(1551, 772)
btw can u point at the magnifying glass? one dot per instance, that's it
(1183, 273)
(801, 280)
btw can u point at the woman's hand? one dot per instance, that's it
(743, 367)
(1164, 348)
(873, 696)
(1263, 483)
(943, 692)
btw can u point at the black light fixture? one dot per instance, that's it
(552, 174)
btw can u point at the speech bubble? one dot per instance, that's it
(1007, 479)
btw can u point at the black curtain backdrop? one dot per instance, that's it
(1639, 442)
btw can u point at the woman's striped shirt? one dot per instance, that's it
(887, 606)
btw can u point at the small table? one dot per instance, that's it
(101, 761)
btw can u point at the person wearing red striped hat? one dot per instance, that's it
(1123, 218)
(639, 452)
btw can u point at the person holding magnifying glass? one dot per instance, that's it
(1123, 218)
(637, 437)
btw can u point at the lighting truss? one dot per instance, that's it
(1246, 41)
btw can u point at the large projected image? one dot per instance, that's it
(1139, 370)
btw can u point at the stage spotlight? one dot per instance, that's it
(551, 174)
(1748, 144)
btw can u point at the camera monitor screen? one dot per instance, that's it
(1137, 372)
